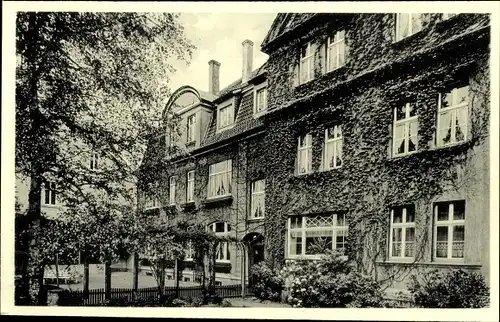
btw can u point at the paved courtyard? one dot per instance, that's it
(121, 280)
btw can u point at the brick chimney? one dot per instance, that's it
(213, 77)
(247, 60)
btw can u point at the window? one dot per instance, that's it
(452, 116)
(219, 179)
(258, 198)
(306, 67)
(190, 186)
(313, 235)
(402, 234)
(49, 193)
(304, 157)
(449, 230)
(221, 229)
(405, 130)
(336, 51)
(448, 15)
(407, 24)
(94, 160)
(226, 116)
(172, 191)
(333, 148)
(191, 127)
(151, 203)
(260, 100)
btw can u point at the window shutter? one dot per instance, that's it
(296, 75)
(320, 58)
(316, 60)
(347, 56)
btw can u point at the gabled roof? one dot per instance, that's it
(283, 24)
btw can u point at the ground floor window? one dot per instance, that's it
(313, 235)
(449, 230)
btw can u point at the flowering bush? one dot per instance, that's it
(268, 284)
(329, 282)
(455, 289)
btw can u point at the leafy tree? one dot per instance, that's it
(88, 82)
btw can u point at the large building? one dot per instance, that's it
(364, 133)
(213, 177)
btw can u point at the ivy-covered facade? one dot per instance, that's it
(203, 168)
(376, 141)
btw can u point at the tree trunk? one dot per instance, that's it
(107, 279)
(33, 281)
(86, 276)
(162, 276)
(176, 272)
(57, 271)
(135, 283)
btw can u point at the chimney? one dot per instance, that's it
(247, 60)
(213, 77)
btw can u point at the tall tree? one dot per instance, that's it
(88, 82)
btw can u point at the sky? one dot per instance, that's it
(219, 36)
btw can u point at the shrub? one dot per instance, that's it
(455, 289)
(268, 284)
(330, 282)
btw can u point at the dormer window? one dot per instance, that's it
(260, 100)
(191, 128)
(306, 67)
(225, 117)
(407, 24)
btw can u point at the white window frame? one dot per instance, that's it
(333, 143)
(151, 203)
(453, 109)
(255, 194)
(230, 106)
(340, 45)
(257, 89)
(450, 224)
(94, 160)
(50, 189)
(171, 191)
(307, 147)
(303, 229)
(403, 226)
(410, 25)
(406, 122)
(190, 186)
(309, 59)
(227, 172)
(223, 248)
(191, 128)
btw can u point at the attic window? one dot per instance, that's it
(225, 117)
(260, 100)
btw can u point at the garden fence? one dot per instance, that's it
(97, 296)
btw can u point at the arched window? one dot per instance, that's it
(221, 229)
